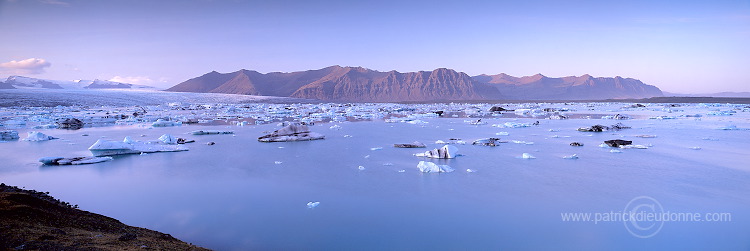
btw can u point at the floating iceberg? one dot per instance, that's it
(416, 144)
(601, 128)
(8, 135)
(129, 146)
(292, 132)
(445, 152)
(209, 132)
(165, 123)
(527, 156)
(574, 156)
(516, 125)
(429, 167)
(312, 204)
(37, 136)
(73, 161)
(487, 142)
(168, 139)
(617, 142)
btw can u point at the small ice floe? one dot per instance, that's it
(574, 156)
(415, 144)
(502, 133)
(721, 113)
(210, 132)
(417, 122)
(313, 204)
(527, 156)
(376, 148)
(348, 136)
(37, 136)
(475, 122)
(617, 142)
(617, 117)
(429, 167)
(633, 146)
(46, 126)
(367, 156)
(388, 164)
(522, 142)
(143, 154)
(440, 142)
(615, 151)
(663, 117)
(553, 130)
(277, 162)
(601, 128)
(645, 136)
(292, 132)
(361, 168)
(516, 125)
(445, 152)
(696, 148)
(488, 142)
(165, 123)
(335, 127)
(710, 139)
(471, 171)
(402, 171)
(73, 161)
(730, 128)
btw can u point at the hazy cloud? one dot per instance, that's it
(26, 66)
(138, 80)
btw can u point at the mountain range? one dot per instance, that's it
(20, 82)
(336, 83)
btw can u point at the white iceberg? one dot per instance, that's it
(574, 156)
(313, 204)
(104, 147)
(429, 167)
(527, 156)
(165, 123)
(168, 139)
(37, 136)
(445, 152)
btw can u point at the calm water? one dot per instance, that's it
(233, 196)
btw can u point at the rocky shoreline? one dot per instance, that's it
(32, 220)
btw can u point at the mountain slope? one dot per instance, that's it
(336, 83)
(569, 88)
(20, 82)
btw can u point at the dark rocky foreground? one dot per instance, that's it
(31, 220)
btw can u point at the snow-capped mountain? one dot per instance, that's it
(20, 82)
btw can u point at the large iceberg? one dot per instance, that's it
(37, 136)
(429, 167)
(291, 132)
(129, 146)
(445, 152)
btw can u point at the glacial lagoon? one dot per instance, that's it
(242, 194)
